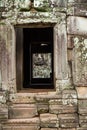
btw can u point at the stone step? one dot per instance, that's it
(22, 124)
(3, 112)
(22, 111)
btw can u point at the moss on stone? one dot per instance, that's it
(24, 9)
(38, 9)
(2, 23)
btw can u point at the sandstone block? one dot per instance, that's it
(69, 94)
(80, 1)
(83, 120)
(22, 98)
(69, 99)
(55, 101)
(3, 97)
(80, 9)
(0, 127)
(82, 128)
(56, 109)
(22, 124)
(82, 107)
(49, 129)
(46, 97)
(61, 49)
(18, 111)
(52, 3)
(68, 120)
(42, 107)
(82, 92)
(79, 62)
(20, 127)
(49, 120)
(3, 112)
(67, 129)
(76, 25)
(69, 54)
(68, 105)
(77, 7)
(70, 42)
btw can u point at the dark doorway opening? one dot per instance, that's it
(37, 58)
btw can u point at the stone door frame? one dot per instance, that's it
(60, 48)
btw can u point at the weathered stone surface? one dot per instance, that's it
(82, 92)
(22, 124)
(62, 106)
(35, 18)
(49, 129)
(3, 112)
(82, 107)
(70, 71)
(55, 101)
(69, 98)
(7, 65)
(80, 1)
(27, 5)
(3, 97)
(4, 55)
(0, 78)
(77, 1)
(79, 9)
(45, 97)
(51, 3)
(42, 107)
(39, 97)
(83, 120)
(61, 48)
(69, 55)
(68, 129)
(64, 84)
(82, 128)
(20, 127)
(70, 42)
(54, 106)
(79, 65)
(70, 46)
(77, 25)
(59, 3)
(49, 120)
(68, 94)
(56, 109)
(68, 120)
(22, 98)
(31, 121)
(20, 111)
(79, 59)
(0, 127)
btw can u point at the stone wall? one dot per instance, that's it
(65, 107)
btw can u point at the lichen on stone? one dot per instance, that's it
(81, 46)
